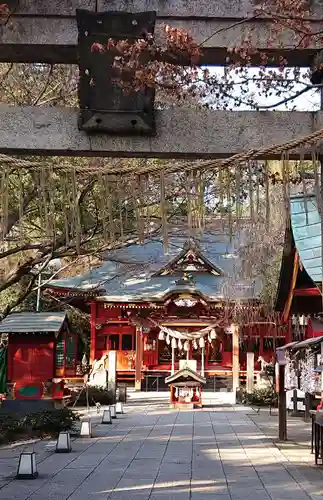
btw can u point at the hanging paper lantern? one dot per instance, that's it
(174, 343)
(213, 334)
(168, 340)
(202, 343)
(179, 344)
(161, 335)
(186, 345)
(195, 345)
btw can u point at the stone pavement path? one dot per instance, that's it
(153, 453)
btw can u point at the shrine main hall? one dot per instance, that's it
(156, 308)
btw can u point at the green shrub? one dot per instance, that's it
(95, 395)
(269, 370)
(39, 424)
(262, 397)
(11, 427)
(51, 422)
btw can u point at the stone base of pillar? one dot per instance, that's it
(138, 385)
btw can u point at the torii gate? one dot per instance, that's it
(46, 31)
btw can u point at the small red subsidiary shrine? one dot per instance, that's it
(155, 309)
(299, 295)
(41, 348)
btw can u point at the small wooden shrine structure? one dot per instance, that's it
(41, 351)
(186, 387)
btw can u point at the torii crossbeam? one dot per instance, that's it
(46, 31)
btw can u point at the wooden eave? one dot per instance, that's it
(185, 373)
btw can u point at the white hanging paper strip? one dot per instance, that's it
(185, 302)
(307, 374)
(213, 334)
(290, 373)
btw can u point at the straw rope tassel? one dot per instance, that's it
(44, 198)
(229, 205)
(220, 177)
(76, 213)
(138, 198)
(51, 194)
(163, 212)
(189, 203)
(4, 202)
(267, 187)
(252, 208)
(317, 181)
(238, 188)
(284, 186)
(110, 208)
(302, 173)
(201, 202)
(66, 206)
(120, 203)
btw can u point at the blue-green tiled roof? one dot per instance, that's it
(306, 227)
(129, 274)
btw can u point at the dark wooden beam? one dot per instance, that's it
(46, 31)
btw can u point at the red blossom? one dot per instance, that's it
(97, 47)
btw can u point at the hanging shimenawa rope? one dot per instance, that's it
(187, 335)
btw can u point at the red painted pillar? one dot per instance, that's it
(93, 332)
(139, 356)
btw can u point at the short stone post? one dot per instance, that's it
(250, 371)
(112, 373)
(235, 358)
(139, 354)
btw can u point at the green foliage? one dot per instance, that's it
(95, 395)
(270, 370)
(11, 428)
(262, 397)
(41, 424)
(51, 422)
